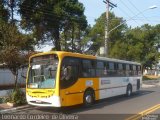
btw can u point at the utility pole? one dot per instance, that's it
(108, 5)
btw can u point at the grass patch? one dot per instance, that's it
(2, 100)
(16, 96)
(150, 77)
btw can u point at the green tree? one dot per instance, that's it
(48, 19)
(72, 35)
(137, 44)
(14, 48)
(141, 45)
(97, 32)
(4, 14)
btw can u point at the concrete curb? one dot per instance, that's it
(150, 83)
(7, 110)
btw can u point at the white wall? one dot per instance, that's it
(7, 78)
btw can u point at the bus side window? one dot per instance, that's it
(130, 70)
(135, 73)
(88, 68)
(85, 72)
(139, 70)
(106, 68)
(120, 69)
(127, 70)
(111, 69)
(69, 72)
(86, 64)
(100, 67)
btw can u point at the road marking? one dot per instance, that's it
(10, 110)
(143, 113)
(6, 110)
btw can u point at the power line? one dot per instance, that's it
(44, 10)
(127, 7)
(127, 14)
(155, 20)
(138, 10)
(47, 13)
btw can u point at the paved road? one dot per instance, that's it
(120, 105)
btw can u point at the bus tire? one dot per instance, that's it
(129, 90)
(88, 98)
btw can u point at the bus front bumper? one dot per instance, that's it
(53, 101)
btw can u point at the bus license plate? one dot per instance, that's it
(38, 101)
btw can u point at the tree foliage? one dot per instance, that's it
(14, 47)
(4, 13)
(63, 22)
(134, 44)
(48, 19)
(97, 32)
(139, 44)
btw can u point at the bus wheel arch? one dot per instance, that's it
(129, 90)
(88, 97)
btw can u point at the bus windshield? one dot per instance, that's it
(42, 71)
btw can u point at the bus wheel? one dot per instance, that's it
(88, 98)
(129, 90)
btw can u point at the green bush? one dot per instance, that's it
(16, 96)
(146, 78)
(150, 78)
(2, 100)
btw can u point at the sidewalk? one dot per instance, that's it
(150, 83)
(147, 86)
(4, 108)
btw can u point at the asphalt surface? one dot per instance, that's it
(120, 107)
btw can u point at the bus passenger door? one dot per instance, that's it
(69, 77)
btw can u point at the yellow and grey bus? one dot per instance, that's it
(60, 78)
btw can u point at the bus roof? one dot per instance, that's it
(117, 60)
(63, 53)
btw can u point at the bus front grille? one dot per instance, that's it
(41, 102)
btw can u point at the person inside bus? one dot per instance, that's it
(66, 72)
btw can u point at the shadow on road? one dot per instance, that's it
(98, 104)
